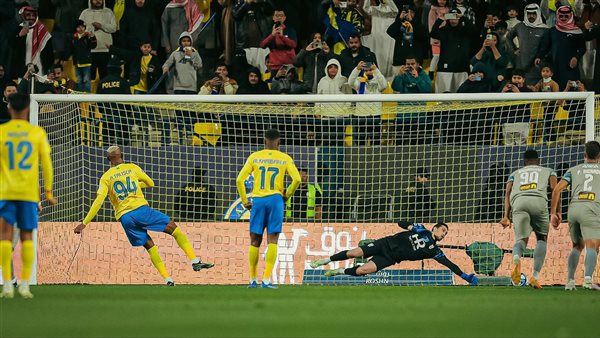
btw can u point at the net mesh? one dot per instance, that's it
(366, 162)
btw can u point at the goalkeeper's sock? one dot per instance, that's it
(573, 262)
(27, 257)
(351, 271)
(185, 245)
(270, 261)
(158, 262)
(518, 249)
(591, 257)
(539, 255)
(6, 260)
(253, 260)
(340, 256)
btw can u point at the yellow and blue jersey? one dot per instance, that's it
(269, 168)
(123, 185)
(22, 146)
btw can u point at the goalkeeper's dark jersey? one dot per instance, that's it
(414, 245)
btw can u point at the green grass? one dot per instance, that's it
(151, 311)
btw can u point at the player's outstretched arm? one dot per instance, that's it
(239, 182)
(506, 217)
(102, 193)
(471, 278)
(296, 180)
(556, 217)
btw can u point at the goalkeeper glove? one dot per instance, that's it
(417, 228)
(472, 279)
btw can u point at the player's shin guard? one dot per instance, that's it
(591, 257)
(158, 262)
(340, 256)
(539, 255)
(270, 261)
(27, 256)
(573, 262)
(351, 271)
(6, 260)
(518, 249)
(184, 243)
(253, 260)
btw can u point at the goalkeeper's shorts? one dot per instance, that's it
(136, 224)
(23, 214)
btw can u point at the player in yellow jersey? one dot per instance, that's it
(123, 184)
(269, 167)
(22, 146)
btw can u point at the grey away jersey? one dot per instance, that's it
(531, 181)
(584, 180)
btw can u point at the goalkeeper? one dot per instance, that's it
(123, 183)
(416, 244)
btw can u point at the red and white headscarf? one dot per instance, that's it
(568, 25)
(38, 38)
(192, 13)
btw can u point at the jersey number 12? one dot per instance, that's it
(23, 148)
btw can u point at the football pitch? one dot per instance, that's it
(324, 311)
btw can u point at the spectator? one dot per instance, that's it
(187, 62)
(83, 43)
(138, 25)
(9, 89)
(455, 39)
(516, 121)
(179, 16)
(65, 18)
(305, 203)
(437, 11)
(313, 58)
(417, 201)
(549, 8)
(411, 37)
(281, 41)
(238, 67)
(333, 82)
(478, 81)
(563, 45)
(512, 15)
(383, 16)
(31, 43)
(254, 85)
(251, 25)
(41, 84)
(367, 79)
(528, 35)
(354, 54)
(221, 84)
(411, 78)
(114, 118)
(592, 32)
(62, 83)
(196, 199)
(4, 78)
(546, 84)
(492, 57)
(466, 11)
(101, 21)
(144, 69)
(341, 23)
(286, 82)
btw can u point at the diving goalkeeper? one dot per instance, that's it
(416, 244)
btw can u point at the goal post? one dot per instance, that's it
(369, 161)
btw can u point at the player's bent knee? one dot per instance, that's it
(355, 253)
(170, 228)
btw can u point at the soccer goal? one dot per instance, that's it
(368, 161)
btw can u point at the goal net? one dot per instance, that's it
(367, 162)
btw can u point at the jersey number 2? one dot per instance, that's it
(263, 177)
(25, 148)
(122, 190)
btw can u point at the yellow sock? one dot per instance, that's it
(270, 260)
(6, 260)
(158, 262)
(27, 256)
(253, 259)
(184, 243)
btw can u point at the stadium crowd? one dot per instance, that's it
(227, 47)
